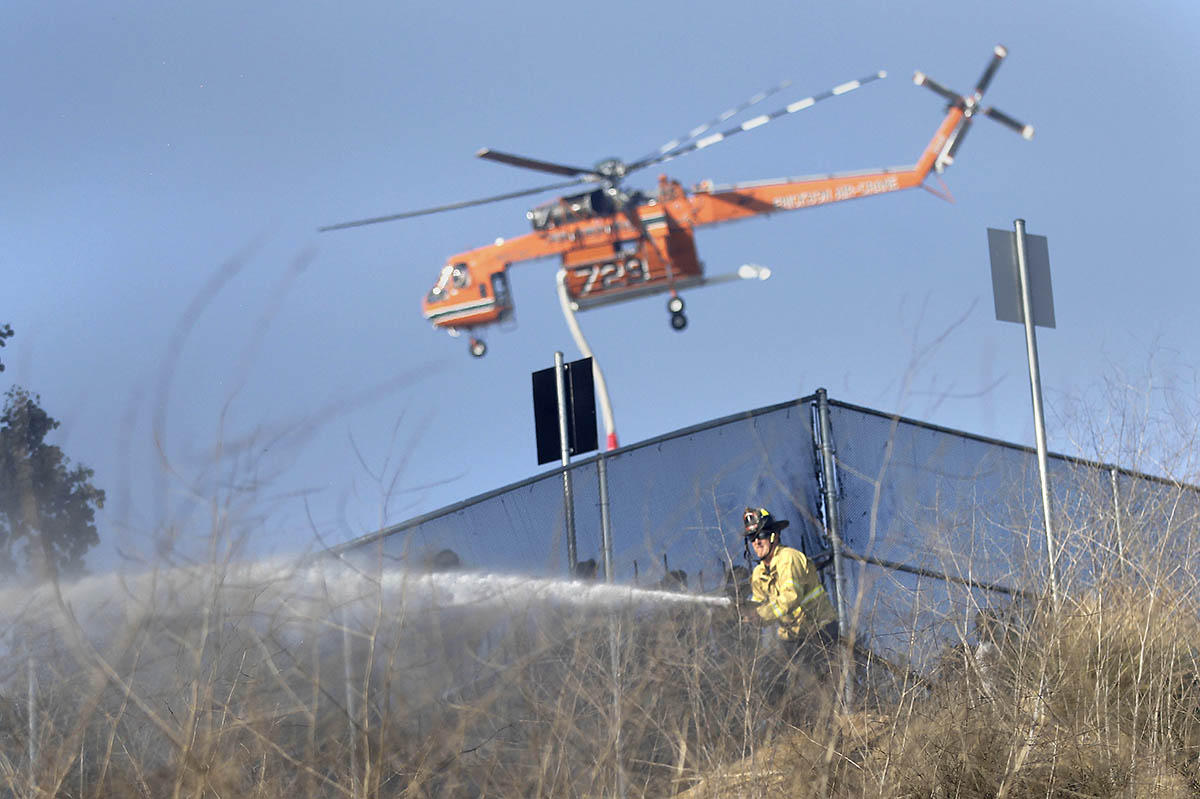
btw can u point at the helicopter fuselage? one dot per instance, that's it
(649, 246)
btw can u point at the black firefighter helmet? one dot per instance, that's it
(759, 523)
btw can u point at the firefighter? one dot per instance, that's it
(787, 592)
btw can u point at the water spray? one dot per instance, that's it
(280, 588)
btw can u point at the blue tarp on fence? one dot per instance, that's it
(938, 523)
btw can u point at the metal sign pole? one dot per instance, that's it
(1035, 384)
(1021, 288)
(560, 381)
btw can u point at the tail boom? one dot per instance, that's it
(714, 205)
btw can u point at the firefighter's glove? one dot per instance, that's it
(748, 613)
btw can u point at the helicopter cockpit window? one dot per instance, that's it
(460, 276)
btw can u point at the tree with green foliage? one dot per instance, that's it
(47, 505)
(6, 332)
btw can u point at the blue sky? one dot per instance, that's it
(166, 168)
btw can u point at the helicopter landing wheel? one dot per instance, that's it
(675, 304)
(477, 348)
(678, 321)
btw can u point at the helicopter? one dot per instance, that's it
(619, 244)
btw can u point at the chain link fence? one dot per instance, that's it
(675, 504)
(940, 528)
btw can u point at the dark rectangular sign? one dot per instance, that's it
(1006, 282)
(581, 411)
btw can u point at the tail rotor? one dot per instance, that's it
(969, 105)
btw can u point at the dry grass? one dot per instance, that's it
(321, 684)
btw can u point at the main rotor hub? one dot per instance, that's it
(611, 168)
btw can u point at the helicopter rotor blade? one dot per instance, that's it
(1026, 131)
(757, 121)
(998, 54)
(532, 163)
(921, 79)
(700, 130)
(454, 206)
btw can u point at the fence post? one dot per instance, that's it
(833, 527)
(1116, 496)
(605, 523)
(833, 530)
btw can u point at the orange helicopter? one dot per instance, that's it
(617, 245)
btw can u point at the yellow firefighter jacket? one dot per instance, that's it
(789, 591)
